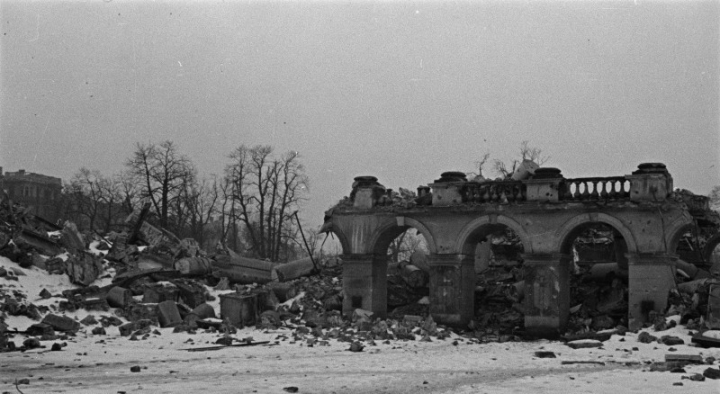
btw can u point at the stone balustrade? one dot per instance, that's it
(651, 182)
(493, 192)
(583, 189)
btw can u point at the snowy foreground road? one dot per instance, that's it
(87, 365)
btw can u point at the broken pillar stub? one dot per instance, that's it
(364, 283)
(119, 297)
(366, 192)
(452, 285)
(240, 310)
(547, 293)
(545, 185)
(651, 182)
(651, 276)
(447, 190)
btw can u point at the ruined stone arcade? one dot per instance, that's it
(546, 212)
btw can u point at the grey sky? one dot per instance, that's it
(399, 90)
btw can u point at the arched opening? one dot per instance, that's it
(712, 254)
(695, 246)
(404, 251)
(598, 276)
(328, 250)
(496, 251)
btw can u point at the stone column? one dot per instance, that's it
(651, 276)
(452, 288)
(365, 283)
(547, 293)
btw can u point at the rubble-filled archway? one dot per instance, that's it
(598, 276)
(366, 275)
(402, 283)
(496, 251)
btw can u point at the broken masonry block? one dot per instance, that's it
(194, 266)
(61, 323)
(204, 311)
(119, 297)
(128, 328)
(168, 314)
(158, 292)
(137, 312)
(191, 293)
(83, 268)
(89, 320)
(239, 310)
(71, 237)
(40, 329)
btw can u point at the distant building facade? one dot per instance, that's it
(41, 193)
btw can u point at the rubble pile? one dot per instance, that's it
(145, 277)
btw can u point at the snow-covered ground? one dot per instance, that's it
(102, 363)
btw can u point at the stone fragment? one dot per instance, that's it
(99, 331)
(89, 320)
(45, 294)
(712, 373)
(356, 347)
(157, 293)
(645, 337)
(119, 297)
(61, 323)
(584, 343)
(670, 340)
(83, 268)
(40, 329)
(695, 377)
(127, 329)
(168, 314)
(31, 343)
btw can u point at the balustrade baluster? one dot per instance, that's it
(494, 194)
(585, 193)
(600, 190)
(610, 190)
(508, 193)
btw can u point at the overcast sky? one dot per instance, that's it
(399, 90)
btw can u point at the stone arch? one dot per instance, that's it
(344, 243)
(673, 237)
(572, 225)
(392, 228)
(710, 246)
(467, 233)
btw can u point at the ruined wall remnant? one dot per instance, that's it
(645, 218)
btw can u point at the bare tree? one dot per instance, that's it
(527, 153)
(164, 174)
(84, 194)
(202, 200)
(405, 244)
(533, 154)
(265, 191)
(96, 201)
